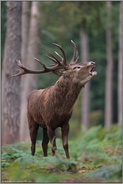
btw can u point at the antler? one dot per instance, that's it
(25, 70)
(56, 68)
(75, 54)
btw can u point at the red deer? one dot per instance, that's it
(52, 107)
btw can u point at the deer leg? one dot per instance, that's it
(65, 131)
(33, 129)
(51, 135)
(45, 141)
(54, 148)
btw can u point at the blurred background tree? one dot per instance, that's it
(31, 24)
(83, 22)
(120, 66)
(26, 13)
(10, 86)
(109, 68)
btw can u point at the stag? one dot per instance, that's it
(52, 107)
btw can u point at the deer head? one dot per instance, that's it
(78, 72)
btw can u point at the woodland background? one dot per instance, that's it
(28, 30)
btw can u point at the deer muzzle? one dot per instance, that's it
(92, 65)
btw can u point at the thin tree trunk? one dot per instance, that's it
(26, 7)
(26, 11)
(109, 74)
(29, 82)
(120, 67)
(85, 90)
(10, 85)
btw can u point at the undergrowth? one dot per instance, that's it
(95, 157)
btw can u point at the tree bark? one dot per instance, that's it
(26, 6)
(120, 67)
(109, 73)
(29, 81)
(26, 11)
(85, 90)
(10, 85)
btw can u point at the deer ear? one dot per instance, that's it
(59, 72)
(66, 73)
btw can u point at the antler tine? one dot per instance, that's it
(51, 57)
(55, 60)
(64, 57)
(75, 54)
(22, 72)
(59, 55)
(41, 63)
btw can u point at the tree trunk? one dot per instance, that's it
(85, 90)
(120, 67)
(29, 81)
(109, 73)
(26, 7)
(11, 86)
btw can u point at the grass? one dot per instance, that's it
(95, 157)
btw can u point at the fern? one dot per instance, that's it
(107, 172)
(94, 154)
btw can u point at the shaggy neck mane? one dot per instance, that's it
(65, 93)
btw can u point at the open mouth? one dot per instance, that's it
(92, 72)
(92, 69)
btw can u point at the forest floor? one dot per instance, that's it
(95, 157)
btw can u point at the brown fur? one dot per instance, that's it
(52, 107)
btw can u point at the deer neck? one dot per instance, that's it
(66, 93)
